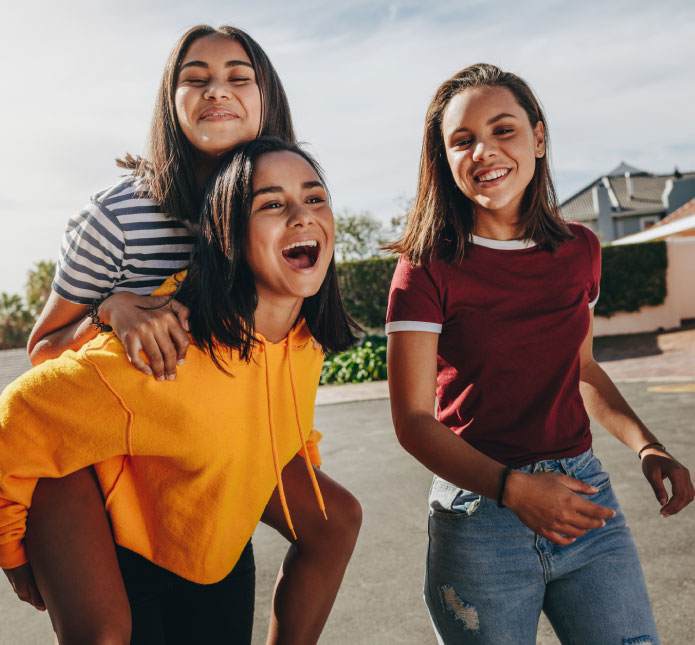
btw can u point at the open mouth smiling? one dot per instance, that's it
(491, 175)
(302, 255)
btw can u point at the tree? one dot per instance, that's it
(357, 235)
(38, 286)
(15, 321)
(17, 315)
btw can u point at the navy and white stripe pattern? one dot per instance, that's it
(120, 241)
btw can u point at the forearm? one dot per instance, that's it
(447, 455)
(71, 336)
(607, 406)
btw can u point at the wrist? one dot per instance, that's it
(513, 489)
(650, 448)
(98, 314)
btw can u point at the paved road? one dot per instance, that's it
(380, 602)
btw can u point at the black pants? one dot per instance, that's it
(170, 610)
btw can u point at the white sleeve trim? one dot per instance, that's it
(413, 325)
(592, 304)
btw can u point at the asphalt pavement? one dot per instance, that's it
(380, 601)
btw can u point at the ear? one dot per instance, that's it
(539, 137)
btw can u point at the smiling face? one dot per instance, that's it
(217, 100)
(289, 239)
(491, 148)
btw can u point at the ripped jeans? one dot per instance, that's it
(488, 576)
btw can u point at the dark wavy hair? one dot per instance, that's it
(440, 221)
(219, 287)
(170, 163)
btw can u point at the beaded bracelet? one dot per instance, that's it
(93, 313)
(505, 474)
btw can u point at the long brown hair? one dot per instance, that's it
(440, 221)
(170, 164)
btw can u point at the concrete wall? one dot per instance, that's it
(679, 303)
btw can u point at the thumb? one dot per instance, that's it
(578, 486)
(656, 481)
(181, 312)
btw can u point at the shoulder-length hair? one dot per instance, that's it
(219, 287)
(170, 164)
(440, 221)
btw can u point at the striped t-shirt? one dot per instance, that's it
(120, 241)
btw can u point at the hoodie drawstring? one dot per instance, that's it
(305, 452)
(273, 443)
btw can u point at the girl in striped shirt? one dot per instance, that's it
(218, 89)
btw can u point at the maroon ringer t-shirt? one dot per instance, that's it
(511, 319)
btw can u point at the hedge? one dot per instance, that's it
(364, 285)
(633, 276)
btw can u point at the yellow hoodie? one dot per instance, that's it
(186, 466)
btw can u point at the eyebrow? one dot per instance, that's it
(280, 189)
(494, 119)
(229, 63)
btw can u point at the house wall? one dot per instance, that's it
(679, 303)
(628, 225)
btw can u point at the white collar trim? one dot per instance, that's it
(503, 245)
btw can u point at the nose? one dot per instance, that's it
(300, 215)
(217, 89)
(484, 149)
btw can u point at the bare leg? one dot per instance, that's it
(72, 555)
(315, 563)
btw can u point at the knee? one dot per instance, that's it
(95, 630)
(94, 635)
(344, 513)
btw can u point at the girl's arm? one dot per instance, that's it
(546, 502)
(604, 403)
(159, 332)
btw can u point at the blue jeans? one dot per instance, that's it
(489, 576)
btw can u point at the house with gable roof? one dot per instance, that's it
(628, 200)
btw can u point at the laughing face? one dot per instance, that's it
(289, 241)
(491, 148)
(218, 103)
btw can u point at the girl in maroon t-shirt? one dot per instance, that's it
(491, 312)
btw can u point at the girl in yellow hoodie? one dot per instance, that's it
(187, 467)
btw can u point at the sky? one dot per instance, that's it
(616, 79)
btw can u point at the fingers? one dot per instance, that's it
(658, 467)
(576, 485)
(683, 492)
(24, 585)
(132, 348)
(182, 312)
(164, 343)
(157, 327)
(181, 342)
(655, 479)
(35, 598)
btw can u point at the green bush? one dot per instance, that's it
(358, 365)
(364, 285)
(632, 276)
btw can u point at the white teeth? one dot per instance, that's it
(305, 243)
(489, 176)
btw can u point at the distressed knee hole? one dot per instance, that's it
(639, 640)
(459, 608)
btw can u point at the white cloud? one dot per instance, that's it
(615, 78)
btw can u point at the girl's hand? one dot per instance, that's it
(152, 324)
(22, 580)
(658, 465)
(549, 505)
